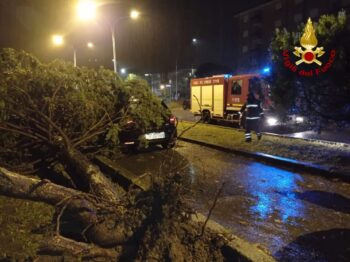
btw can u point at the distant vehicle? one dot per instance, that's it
(222, 97)
(131, 136)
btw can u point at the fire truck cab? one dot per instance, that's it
(222, 97)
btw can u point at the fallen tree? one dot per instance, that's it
(54, 119)
(48, 114)
(95, 214)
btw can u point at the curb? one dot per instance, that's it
(276, 160)
(123, 176)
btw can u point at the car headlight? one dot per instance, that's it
(271, 121)
(299, 119)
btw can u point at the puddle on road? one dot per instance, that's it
(263, 182)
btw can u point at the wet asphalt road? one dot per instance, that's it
(294, 216)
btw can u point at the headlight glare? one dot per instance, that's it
(271, 121)
(299, 119)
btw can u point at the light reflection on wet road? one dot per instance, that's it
(263, 182)
(294, 216)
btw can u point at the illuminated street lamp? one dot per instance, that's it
(58, 40)
(134, 14)
(86, 9)
(123, 71)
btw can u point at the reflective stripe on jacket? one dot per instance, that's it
(252, 108)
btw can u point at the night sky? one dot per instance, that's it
(162, 35)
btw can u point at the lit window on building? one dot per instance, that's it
(245, 49)
(278, 23)
(245, 33)
(245, 19)
(298, 17)
(278, 6)
(314, 12)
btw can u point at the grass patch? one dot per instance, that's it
(334, 156)
(22, 227)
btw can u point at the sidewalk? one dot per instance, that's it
(325, 158)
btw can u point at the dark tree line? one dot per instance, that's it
(324, 98)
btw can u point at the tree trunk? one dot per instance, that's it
(91, 178)
(83, 207)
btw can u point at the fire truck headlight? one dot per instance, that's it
(271, 121)
(299, 119)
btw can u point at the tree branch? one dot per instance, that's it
(18, 132)
(65, 246)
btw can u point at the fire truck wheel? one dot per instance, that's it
(206, 116)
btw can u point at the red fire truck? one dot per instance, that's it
(221, 97)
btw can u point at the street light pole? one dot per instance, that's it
(114, 51)
(87, 11)
(133, 15)
(75, 57)
(58, 40)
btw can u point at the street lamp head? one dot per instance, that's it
(90, 45)
(194, 40)
(57, 40)
(86, 9)
(134, 14)
(123, 71)
(162, 87)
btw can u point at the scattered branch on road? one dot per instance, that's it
(212, 208)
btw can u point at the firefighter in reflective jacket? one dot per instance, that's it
(253, 112)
